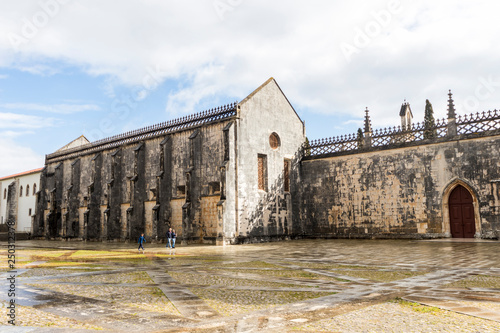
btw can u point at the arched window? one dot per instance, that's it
(21, 191)
(5, 194)
(34, 188)
(274, 140)
(27, 190)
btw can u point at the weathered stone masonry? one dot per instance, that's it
(119, 193)
(399, 193)
(243, 173)
(197, 174)
(397, 183)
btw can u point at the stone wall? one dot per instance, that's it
(243, 173)
(265, 214)
(399, 193)
(144, 186)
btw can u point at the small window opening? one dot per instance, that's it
(181, 190)
(214, 187)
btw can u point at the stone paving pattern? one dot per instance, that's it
(307, 285)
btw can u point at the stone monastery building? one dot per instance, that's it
(245, 172)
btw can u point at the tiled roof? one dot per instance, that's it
(22, 174)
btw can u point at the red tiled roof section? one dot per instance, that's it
(22, 173)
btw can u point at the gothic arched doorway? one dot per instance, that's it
(462, 222)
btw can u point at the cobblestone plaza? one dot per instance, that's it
(304, 285)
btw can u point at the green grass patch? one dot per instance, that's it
(156, 292)
(117, 257)
(129, 278)
(102, 254)
(287, 273)
(194, 260)
(417, 307)
(60, 264)
(326, 266)
(251, 264)
(218, 280)
(380, 276)
(230, 302)
(49, 255)
(476, 281)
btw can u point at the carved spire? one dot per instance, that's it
(452, 122)
(368, 123)
(451, 106)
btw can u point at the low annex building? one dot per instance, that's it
(18, 199)
(245, 172)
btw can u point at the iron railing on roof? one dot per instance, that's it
(175, 125)
(478, 122)
(475, 123)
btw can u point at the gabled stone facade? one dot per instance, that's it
(198, 174)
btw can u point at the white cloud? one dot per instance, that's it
(10, 121)
(15, 134)
(56, 108)
(3, 76)
(16, 158)
(425, 49)
(43, 70)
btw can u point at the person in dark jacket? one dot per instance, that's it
(142, 240)
(174, 236)
(169, 238)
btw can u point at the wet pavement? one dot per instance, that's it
(306, 285)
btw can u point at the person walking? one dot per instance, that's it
(169, 238)
(174, 236)
(142, 240)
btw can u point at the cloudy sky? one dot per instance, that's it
(99, 68)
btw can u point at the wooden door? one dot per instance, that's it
(462, 223)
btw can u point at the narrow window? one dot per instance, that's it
(226, 145)
(5, 194)
(286, 176)
(27, 190)
(162, 157)
(181, 191)
(21, 192)
(262, 172)
(34, 189)
(29, 213)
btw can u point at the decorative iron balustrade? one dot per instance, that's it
(332, 145)
(474, 123)
(478, 122)
(175, 125)
(417, 132)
